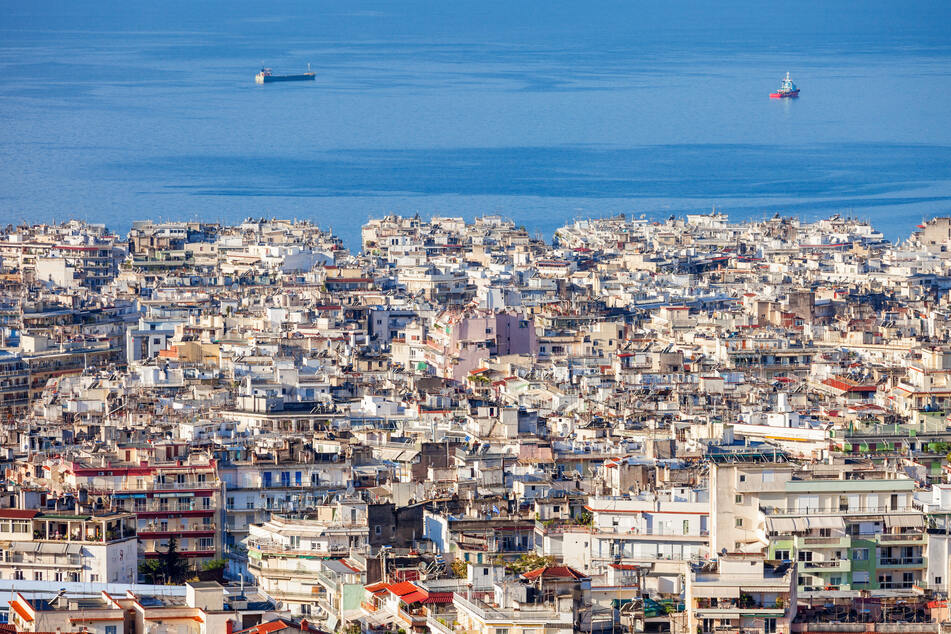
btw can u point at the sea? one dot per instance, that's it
(544, 112)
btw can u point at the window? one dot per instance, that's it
(38, 576)
(860, 554)
(782, 555)
(686, 527)
(206, 503)
(742, 477)
(805, 555)
(180, 478)
(739, 522)
(738, 498)
(770, 626)
(205, 543)
(111, 629)
(860, 576)
(937, 580)
(377, 529)
(230, 503)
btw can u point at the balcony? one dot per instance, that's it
(435, 626)
(859, 510)
(816, 543)
(708, 608)
(415, 618)
(832, 565)
(901, 562)
(897, 585)
(911, 538)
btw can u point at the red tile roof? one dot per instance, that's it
(415, 597)
(554, 572)
(846, 385)
(266, 628)
(439, 597)
(17, 514)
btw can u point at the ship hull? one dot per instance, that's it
(270, 79)
(784, 95)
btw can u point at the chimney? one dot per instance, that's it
(229, 626)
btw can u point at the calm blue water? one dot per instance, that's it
(543, 112)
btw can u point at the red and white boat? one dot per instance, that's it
(786, 90)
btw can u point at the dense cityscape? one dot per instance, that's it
(693, 425)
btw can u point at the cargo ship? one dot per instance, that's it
(787, 89)
(267, 77)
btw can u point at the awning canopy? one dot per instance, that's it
(833, 521)
(904, 521)
(785, 525)
(52, 549)
(25, 547)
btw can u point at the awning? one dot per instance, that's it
(25, 547)
(781, 525)
(139, 496)
(834, 521)
(904, 521)
(785, 525)
(704, 591)
(52, 549)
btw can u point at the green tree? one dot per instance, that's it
(529, 561)
(169, 568)
(214, 564)
(460, 568)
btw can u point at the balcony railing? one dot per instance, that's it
(901, 537)
(733, 606)
(415, 620)
(832, 563)
(859, 510)
(819, 541)
(901, 561)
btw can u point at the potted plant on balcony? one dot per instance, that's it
(746, 600)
